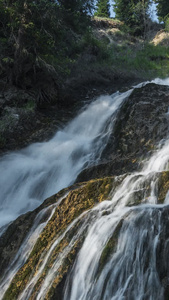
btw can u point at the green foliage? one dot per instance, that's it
(133, 13)
(148, 61)
(94, 46)
(34, 29)
(162, 9)
(103, 9)
(83, 6)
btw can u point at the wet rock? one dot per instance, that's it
(163, 186)
(80, 199)
(142, 122)
(162, 252)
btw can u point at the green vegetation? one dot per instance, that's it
(103, 9)
(148, 60)
(133, 13)
(37, 41)
(43, 43)
(162, 8)
(132, 57)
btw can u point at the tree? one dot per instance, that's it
(133, 13)
(103, 9)
(39, 43)
(76, 13)
(30, 29)
(162, 9)
(83, 6)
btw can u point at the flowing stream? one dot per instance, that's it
(40, 170)
(130, 272)
(31, 175)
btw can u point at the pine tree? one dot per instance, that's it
(133, 13)
(162, 9)
(82, 6)
(103, 9)
(123, 10)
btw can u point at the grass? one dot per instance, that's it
(111, 47)
(151, 59)
(119, 50)
(147, 60)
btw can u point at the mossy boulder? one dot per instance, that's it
(81, 197)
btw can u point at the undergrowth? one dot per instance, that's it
(148, 60)
(143, 59)
(109, 45)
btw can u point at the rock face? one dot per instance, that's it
(25, 119)
(21, 120)
(142, 122)
(54, 233)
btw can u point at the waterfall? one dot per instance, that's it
(27, 246)
(42, 169)
(129, 271)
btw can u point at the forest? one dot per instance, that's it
(51, 35)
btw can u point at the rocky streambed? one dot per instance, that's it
(123, 196)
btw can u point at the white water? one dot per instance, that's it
(40, 170)
(131, 271)
(27, 246)
(44, 168)
(127, 274)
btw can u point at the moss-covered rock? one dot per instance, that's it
(163, 186)
(79, 199)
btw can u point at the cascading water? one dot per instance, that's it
(130, 270)
(40, 170)
(27, 246)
